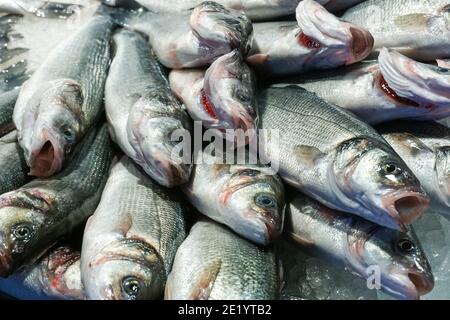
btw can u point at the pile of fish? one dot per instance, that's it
(343, 97)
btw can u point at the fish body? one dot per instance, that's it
(35, 216)
(13, 167)
(62, 100)
(142, 112)
(361, 247)
(13, 76)
(213, 263)
(7, 103)
(318, 40)
(337, 159)
(130, 242)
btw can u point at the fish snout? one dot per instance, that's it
(6, 262)
(362, 44)
(423, 282)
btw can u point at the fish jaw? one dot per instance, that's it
(6, 261)
(47, 155)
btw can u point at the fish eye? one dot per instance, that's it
(22, 232)
(405, 245)
(443, 70)
(131, 286)
(391, 168)
(265, 201)
(249, 173)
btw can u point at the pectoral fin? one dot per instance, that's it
(308, 156)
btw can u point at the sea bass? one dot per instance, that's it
(337, 159)
(7, 103)
(130, 242)
(44, 9)
(213, 263)
(13, 167)
(418, 29)
(396, 87)
(358, 245)
(62, 100)
(222, 97)
(425, 147)
(142, 112)
(247, 198)
(319, 40)
(35, 216)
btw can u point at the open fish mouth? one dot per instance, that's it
(46, 159)
(362, 44)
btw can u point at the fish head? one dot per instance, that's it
(408, 82)
(374, 176)
(129, 269)
(50, 134)
(331, 41)
(253, 201)
(160, 144)
(403, 268)
(221, 29)
(228, 93)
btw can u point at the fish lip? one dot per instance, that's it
(400, 203)
(362, 44)
(6, 263)
(423, 282)
(48, 141)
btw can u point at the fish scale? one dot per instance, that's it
(7, 103)
(12, 164)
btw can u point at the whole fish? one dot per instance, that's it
(35, 216)
(45, 9)
(7, 103)
(13, 167)
(13, 76)
(222, 97)
(213, 263)
(425, 147)
(337, 159)
(130, 242)
(254, 9)
(361, 247)
(247, 198)
(56, 275)
(62, 100)
(194, 38)
(142, 112)
(319, 40)
(396, 87)
(418, 29)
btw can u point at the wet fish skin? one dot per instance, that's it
(45, 9)
(247, 198)
(337, 159)
(13, 167)
(222, 97)
(417, 29)
(35, 216)
(61, 100)
(13, 76)
(213, 263)
(425, 147)
(357, 244)
(130, 242)
(142, 112)
(7, 103)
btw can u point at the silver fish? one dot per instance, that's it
(35, 216)
(142, 112)
(418, 29)
(62, 100)
(247, 198)
(130, 242)
(45, 9)
(13, 167)
(337, 159)
(396, 87)
(361, 246)
(319, 40)
(425, 147)
(213, 263)
(222, 97)
(13, 76)
(7, 103)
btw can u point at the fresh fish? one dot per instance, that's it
(130, 242)
(361, 247)
(56, 275)
(247, 198)
(62, 100)
(417, 29)
(13, 76)
(396, 87)
(44, 9)
(7, 103)
(7, 54)
(213, 263)
(194, 38)
(253, 9)
(319, 40)
(142, 112)
(35, 216)
(13, 167)
(337, 159)
(222, 97)
(425, 147)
